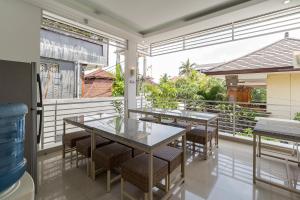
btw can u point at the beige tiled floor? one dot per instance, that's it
(227, 175)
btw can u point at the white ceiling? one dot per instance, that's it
(154, 20)
(146, 16)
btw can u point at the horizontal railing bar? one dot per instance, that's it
(66, 109)
(77, 113)
(82, 102)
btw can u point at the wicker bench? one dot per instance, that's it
(135, 171)
(109, 157)
(171, 155)
(69, 141)
(83, 147)
(198, 135)
(178, 124)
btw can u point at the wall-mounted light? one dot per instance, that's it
(286, 1)
(132, 71)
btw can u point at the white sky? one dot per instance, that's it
(170, 63)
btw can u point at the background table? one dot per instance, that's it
(192, 117)
(279, 129)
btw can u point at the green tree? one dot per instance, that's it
(162, 95)
(186, 68)
(187, 86)
(164, 79)
(259, 95)
(211, 88)
(190, 88)
(118, 84)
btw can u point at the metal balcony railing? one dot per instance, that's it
(234, 118)
(55, 110)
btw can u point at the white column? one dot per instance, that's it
(144, 79)
(130, 76)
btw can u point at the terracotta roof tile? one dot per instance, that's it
(99, 74)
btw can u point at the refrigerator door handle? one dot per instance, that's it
(40, 113)
(40, 106)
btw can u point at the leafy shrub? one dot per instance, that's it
(118, 105)
(297, 116)
(259, 95)
(248, 132)
(119, 82)
(162, 95)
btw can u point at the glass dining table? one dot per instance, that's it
(141, 135)
(189, 116)
(186, 115)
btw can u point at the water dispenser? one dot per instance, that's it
(12, 133)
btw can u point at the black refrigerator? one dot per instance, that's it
(19, 84)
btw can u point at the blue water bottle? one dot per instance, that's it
(12, 132)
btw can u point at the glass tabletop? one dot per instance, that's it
(131, 130)
(277, 126)
(178, 113)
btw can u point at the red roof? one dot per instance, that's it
(99, 74)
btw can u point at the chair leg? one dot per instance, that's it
(71, 155)
(88, 167)
(145, 196)
(76, 158)
(205, 151)
(108, 181)
(64, 151)
(168, 184)
(194, 147)
(216, 143)
(122, 188)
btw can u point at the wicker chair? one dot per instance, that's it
(135, 171)
(178, 124)
(109, 157)
(174, 158)
(136, 152)
(198, 136)
(149, 119)
(83, 147)
(69, 141)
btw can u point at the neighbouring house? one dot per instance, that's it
(275, 67)
(97, 84)
(204, 67)
(64, 57)
(149, 80)
(58, 78)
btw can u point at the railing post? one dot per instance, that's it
(234, 118)
(55, 120)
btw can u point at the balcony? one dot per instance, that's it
(151, 148)
(228, 168)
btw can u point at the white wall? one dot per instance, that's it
(20, 41)
(19, 31)
(283, 96)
